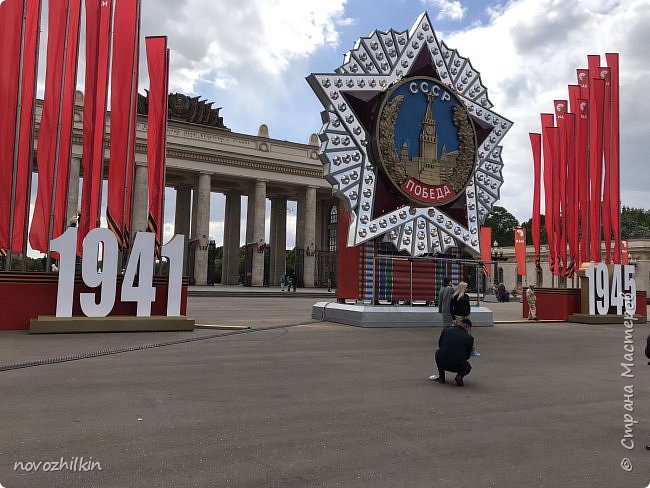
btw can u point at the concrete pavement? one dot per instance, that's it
(323, 405)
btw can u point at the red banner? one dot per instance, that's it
(624, 253)
(157, 59)
(536, 145)
(554, 145)
(11, 13)
(561, 166)
(98, 42)
(615, 191)
(520, 250)
(55, 132)
(486, 246)
(548, 122)
(583, 82)
(596, 106)
(607, 135)
(124, 79)
(11, 38)
(582, 174)
(428, 193)
(572, 201)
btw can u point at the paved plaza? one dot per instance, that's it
(322, 405)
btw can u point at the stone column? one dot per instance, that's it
(73, 191)
(300, 222)
(258, 232)
(250, 214)
(195, 205)
(310, 237)
(140, 201)
(278, 259)
(203, 230)
(232, 220)
(182, 217)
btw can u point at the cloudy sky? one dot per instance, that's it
(251, 57)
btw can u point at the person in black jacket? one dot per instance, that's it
(459, 305)
(454, 349)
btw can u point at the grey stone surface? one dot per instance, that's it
(325, 405)
(361, 315)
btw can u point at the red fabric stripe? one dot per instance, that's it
(615, 190)
(520, 250)
(57, 73)
(561, 108)
(536, 145)
(596, 99)
(486, 246)
(548, 122)
(582, 174)
(156, 123)
(98, 30)
(10, 39)
(605, 209)
(123, 94)
(572, 190)
(554, 145)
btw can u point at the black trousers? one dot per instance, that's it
(463, 367)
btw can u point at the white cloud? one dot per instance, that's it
(449, 9)
(527, 55)
(216, 43)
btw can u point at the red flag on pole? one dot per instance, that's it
(582, 174)
(571, 195)
(554, 145)
(157, 131)
(55, 132)
(615, 197)
(583, 82)
(17, 86)
(11, 16)
(486, 246)
(547, 124)
(124, 80)
(520, 250)
(605, 209)
(596, 106)
(99, 14)
(561, 179)
(536, 145)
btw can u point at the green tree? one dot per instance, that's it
(503, 224)
(635, 223)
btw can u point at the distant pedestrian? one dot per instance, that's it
(454, 349)
(444, 301)
(532, 302)
(282, 281)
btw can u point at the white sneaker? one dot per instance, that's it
(434, 377)
(476, 354)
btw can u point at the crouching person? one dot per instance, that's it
(454, 349)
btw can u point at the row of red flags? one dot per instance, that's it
(579, 148)
(520, 249)
(19, 40)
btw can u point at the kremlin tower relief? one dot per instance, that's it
(426, 167)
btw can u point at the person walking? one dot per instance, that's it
(532, 302)
(444, 301)
(454, 349)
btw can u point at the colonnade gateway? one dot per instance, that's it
(204, 156)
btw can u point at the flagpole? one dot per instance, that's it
(128, 179)
(19, 110)
(50, 230)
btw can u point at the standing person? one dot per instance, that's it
(282, 280)
(460, 307)
(454, 349)
(444, 301)
(532, 302)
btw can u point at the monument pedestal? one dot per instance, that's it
(72, 325)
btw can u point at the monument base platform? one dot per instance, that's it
(583, 318)
(362, 315)
(73, 325)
